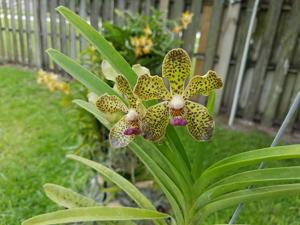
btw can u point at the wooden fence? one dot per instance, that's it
(272, 77)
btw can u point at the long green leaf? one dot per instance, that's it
(211, 103)
(103, 46)
(95, 214)
(244, 159)
(117, 179)
(245, 179)
(66, 197)
(250, 195)
(88, 79)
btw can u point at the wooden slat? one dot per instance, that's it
(238, 51)
(6, 26)
(82, 13)
(28, 33)
(62, 30)
(20, 29)
(163, 8)
(53, 19)
(176, 9)
(108, 10)
(44, 33)
(189, 35)
(95, 10)
(37, 32)
(260, 68)
(134, 6)
(2, 48)
(12, 4)
(121, 7)
(213, 34)
(225, 48)
(146, 7)
(204, 27)
(72, 33)
(286, 47)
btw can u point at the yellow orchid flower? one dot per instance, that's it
(186, 19)
(124, 131)
(176, 107)
(147, 30)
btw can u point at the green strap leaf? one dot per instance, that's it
(103, 46)
(211, 103)
(78, 72)
(66, 197)
(95, 214)
(245, 179)
(235, 198)
(244, 159)
(117, 179)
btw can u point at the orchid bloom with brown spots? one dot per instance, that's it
(175, 107)
(124, 131)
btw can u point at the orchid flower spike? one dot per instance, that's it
(124, 131)
(176, 107)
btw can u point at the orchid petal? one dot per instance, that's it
(156, 121)
(151, 87)
(124, 87)
(117, 137)
(199, 123)
(203, 84)
(110, 104)
(176, 68)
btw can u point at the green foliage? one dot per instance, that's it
(192, 195)
(134, 30)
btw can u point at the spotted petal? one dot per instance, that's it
(151, 87)
(124, 87)
(117, 137)
(199, 123)
(110, 103)
(203, 84)
(156, 121)
(176, 68)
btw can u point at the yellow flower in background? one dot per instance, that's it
(147, 31)
(177, 29)
(186, 19)
(142, 45)
(53, 82)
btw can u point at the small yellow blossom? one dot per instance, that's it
(142, 45)
(147, 31)
(177, 29)
(53, 82)
(186, 19)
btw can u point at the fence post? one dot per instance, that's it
(21, 31)
(28, 33)
(37, 32)
(14, 34)
(226, 44)
(189, 36)
(44, 33)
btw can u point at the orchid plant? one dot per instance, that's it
(192, 196)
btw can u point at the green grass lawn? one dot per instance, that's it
(33, 130)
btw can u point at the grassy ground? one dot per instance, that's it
(33, 130)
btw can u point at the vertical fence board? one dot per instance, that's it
(286, 46)
(20, 29)
(53, 27)
(225, 48)
(62, 31)
(176, 9)
(3, 55)
(263, 58)
(134, 6)
(44, 33)
(189, 36)
(213, 33)
(28, 33)
(163, 8)
(146, 7)
(95, 10)
(37, 32)
(13, 28)
(7, 32)
(82, 13)
(72, 33)
(108, 10)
